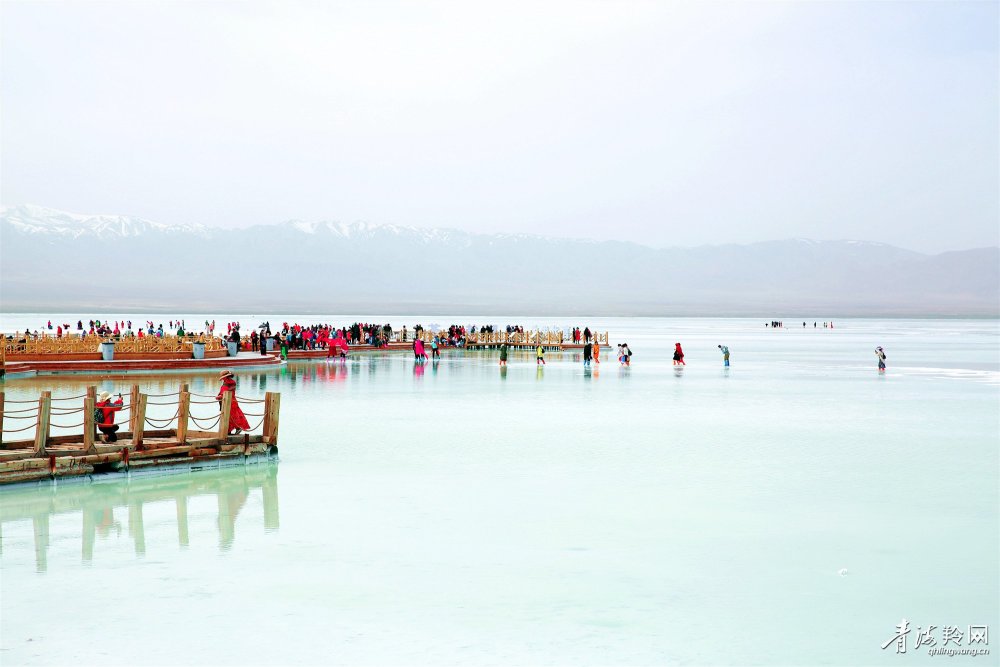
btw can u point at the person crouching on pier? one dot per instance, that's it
(107, 408)
(237, 420)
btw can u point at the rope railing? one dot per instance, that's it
(10, 412)
(215, 422)
(43, 416)
(18, 430)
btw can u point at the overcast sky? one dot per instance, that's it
(662, 123)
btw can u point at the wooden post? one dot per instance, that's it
(42, 423)
(227, 408)
(92, 394)
(183, 415)
(139, 411)
(89, 425)
(272, 403)
(133, 401)
(1, 416)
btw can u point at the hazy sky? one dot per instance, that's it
(662, 123)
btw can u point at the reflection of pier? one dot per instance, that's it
(98, 503)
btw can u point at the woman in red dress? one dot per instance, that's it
(237, 420)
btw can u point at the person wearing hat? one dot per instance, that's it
(880, 353)
(237, 420)
(725, 354)
(107, 408)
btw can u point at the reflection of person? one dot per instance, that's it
(108, 409)
(237, 420)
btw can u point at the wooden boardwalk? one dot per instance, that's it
(550, 340)
(166, 443)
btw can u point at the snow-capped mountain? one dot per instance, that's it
(50, 258)
(31, 219)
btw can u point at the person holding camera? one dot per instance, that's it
(107, 409)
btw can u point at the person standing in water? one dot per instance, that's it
(588, 353)
(678, 355)
(880, 354)
(540, 356)
(503, 354)
(626, 354)
(725, 355)
(434, 347)
(596, 352)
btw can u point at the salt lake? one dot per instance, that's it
(791, 509)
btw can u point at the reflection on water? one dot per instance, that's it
(108, 509)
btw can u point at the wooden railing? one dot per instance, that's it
(36, 418)
(47, 344)
(544, 338)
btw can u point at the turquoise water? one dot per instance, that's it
(791, 510)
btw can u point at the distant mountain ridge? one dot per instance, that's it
(57, 260)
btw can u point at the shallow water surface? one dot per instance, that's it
(789, 510)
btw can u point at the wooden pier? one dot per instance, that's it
(145, 443)
(528, 340)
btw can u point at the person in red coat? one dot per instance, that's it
(237, 420)
(107, 424)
